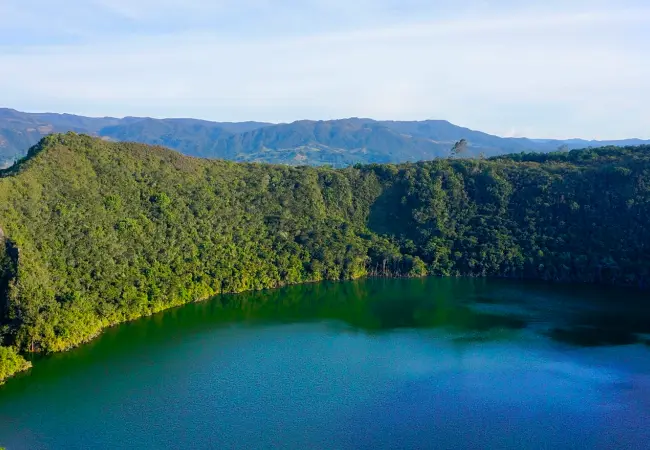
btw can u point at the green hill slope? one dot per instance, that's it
(97, 233)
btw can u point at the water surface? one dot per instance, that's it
(432, 363)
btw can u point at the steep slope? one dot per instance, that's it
(108, 232)
(97, 233)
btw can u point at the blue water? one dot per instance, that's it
(372, 364)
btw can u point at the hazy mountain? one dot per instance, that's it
(19, 131)
(583, 143)
(336, 142)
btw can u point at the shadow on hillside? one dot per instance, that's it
(389, 215)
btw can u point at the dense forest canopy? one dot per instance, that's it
(96, 233)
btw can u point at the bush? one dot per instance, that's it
(11, 363)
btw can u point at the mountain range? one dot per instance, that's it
(306, 142)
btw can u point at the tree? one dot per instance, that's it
(121, 230)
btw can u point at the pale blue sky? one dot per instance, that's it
(540, 68)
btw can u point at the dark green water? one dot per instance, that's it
(372, 364)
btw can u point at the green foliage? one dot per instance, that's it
(579, 216)
(11, 363)
(110, 232)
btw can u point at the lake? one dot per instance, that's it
(372, 364)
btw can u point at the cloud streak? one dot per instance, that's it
(552, 72)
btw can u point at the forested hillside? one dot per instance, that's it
(98, 233)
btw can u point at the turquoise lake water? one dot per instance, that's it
(408, 364)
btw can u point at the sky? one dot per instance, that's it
(536, 68)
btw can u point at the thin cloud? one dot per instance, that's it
(555, 74)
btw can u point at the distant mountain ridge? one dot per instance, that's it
(306, 142)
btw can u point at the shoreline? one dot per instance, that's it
(29, 362)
